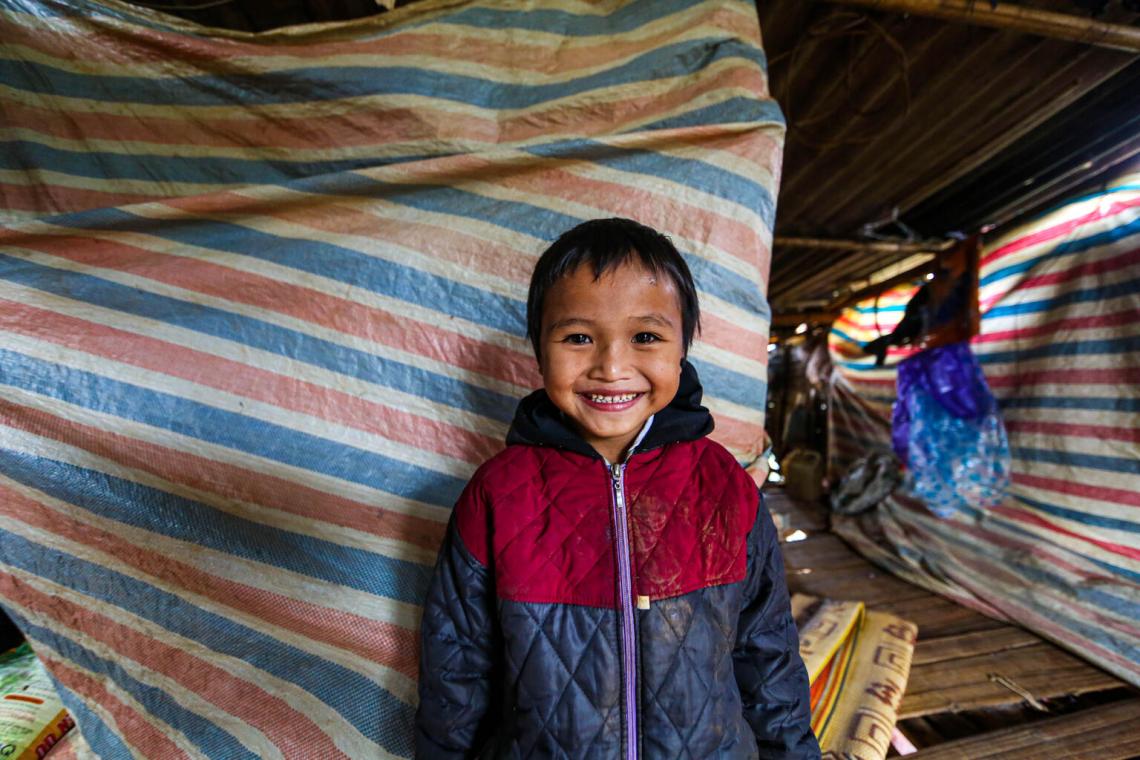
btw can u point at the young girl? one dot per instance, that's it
(610, 585)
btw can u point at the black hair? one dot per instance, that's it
(606, 244)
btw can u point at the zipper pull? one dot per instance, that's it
(615, 471)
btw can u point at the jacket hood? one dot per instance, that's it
(538, 422)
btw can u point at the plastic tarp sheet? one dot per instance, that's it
(1060, 348)
(262, 310)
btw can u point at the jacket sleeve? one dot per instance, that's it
(458, 640)
(772, 679)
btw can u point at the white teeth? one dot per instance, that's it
(613, 399)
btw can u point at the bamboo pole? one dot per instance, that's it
(1016, 18)
(863, 246)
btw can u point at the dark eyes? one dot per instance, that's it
(580, 339)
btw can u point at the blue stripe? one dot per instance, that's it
(1082, 198)
(1085, 518)
(737, 387)
(1078, 459)
(1064, 249)
(1124, 345)
(334, 262)
(1042, 578)
(235, 431)
(206, 735)
(371, 709)
(844, 336)
(26, 155)
(625, 19)
(1115, 569)
(103, 741)
(262, 335)
(76, 11)
(899, 308)
(389, 278)
(694, 173)
(187, 520)
(1092, 403)
(737, 110)
(309, 85)
(1102, 293)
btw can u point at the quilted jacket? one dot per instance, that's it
(586, 610)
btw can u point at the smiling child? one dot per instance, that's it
(610, 585)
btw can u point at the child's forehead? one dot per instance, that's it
(625, 291)
(629, 272)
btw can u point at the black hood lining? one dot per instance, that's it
(538, 422)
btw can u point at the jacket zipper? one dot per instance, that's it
(625, 594)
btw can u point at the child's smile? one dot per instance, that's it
(611, 352)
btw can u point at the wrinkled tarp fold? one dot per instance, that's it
(1060, 348)
(261, 315)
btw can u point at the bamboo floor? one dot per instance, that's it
(979, 688)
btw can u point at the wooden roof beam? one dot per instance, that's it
(1017, 18)
(863, 246)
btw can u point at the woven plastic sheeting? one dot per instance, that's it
(1060, 347)
(261, 315)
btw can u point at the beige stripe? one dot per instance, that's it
(179, 443)
(264, 360)
(401, 686)
(248, 572)
(259, 410)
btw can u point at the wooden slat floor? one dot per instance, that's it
(978, 687)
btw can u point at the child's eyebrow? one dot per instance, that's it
(568, 321)
(654, 319)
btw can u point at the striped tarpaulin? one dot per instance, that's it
(261, 315)
(1060, 347)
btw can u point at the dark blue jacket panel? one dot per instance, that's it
(719, 670)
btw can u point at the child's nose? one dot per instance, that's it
(612, 360)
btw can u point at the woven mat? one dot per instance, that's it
(858, 661)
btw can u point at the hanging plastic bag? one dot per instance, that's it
(947, 428)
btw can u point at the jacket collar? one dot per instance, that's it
(538, 422)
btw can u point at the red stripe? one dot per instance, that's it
(1100, 432)
(728, 336)
(1046, 558)
(249, 382)
(1082, 268)
(438, 241)
(128, 723)
(1046, 625)
(225, 480)
(1064, 229)
(1059, 326)
(371, 640)
(1021, 515)
(464, 250)
(1113, 376)
(383, 128)
(744, 439)
(1073, 488)
(663, 210)
(291, 730)
(153, 45)
(340, 314)
(857, 379)
(57, 199)
(370, 123)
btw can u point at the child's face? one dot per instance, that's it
(611, 352)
